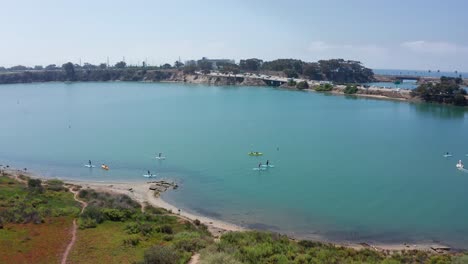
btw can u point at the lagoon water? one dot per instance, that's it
(346, 168)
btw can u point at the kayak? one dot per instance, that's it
(104, 167)
(259, 169)
(89, 166)
(255, 153)
(268, 166)
(150, 175)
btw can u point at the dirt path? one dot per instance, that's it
(72, 242)
(195, 259)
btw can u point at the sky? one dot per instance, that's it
(383, 34)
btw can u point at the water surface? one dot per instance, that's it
(346, 168)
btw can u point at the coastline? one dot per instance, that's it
(142, 194)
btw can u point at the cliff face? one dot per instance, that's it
(125, 75)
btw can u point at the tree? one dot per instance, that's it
(250, 64)
(190, 69)
(178, 64)
(302, 85)
(290, 73)
(166, 66)
(51, 67)
(19, 68)
(350, 89)
(38, 67)
(121, 65)
(312, 71)
(446, 91)
(2, 69)
(205, 65)
(284, 64)
(102, 66)
(69, 70)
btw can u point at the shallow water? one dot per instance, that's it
(346, 168)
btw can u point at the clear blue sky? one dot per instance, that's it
(411, 34)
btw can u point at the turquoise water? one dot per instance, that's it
(346, 168)
(404, 85)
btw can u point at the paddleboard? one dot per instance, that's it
(161, 158)
(89, 166)
(268, 166)
(259, 169)
(150, 175)
(447, 155)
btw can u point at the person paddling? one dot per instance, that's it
(268, 162)
(259, 165)
(89, 162)
(160, 154)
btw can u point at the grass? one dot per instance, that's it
(33, 243)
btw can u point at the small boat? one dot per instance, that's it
(104, 167)
(255, 153)
(460, 165)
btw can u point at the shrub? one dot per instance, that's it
(166, 229)
(324, 87)
(197, 222)
(55, 185)
(218, 258)
(189, 241)
(93, 213)
(131, 241)
(350, 89)
(35, 185)
(291, 82)
(459, 99)
(302, 85)
(115, 215)
(132, 228)
(84, 223)
(160, 255)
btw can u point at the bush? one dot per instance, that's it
(160, 255)
(324, 87)
(131, 241)
(302, 85)
(218, 258)
(115, 215)
(189, 241)
(459, 99)
(55, 185)
(35, 185)
(84, 223)
(93, 213)
(350, 89)
(292, 83)
(166, 229)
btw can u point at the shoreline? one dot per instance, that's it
(142, 194)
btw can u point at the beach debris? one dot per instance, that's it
(440, 249)
(162, 186)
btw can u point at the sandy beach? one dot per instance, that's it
(141, 193)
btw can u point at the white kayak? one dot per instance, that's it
(447, 155)
(268, 166)
(259, 169)
(150, 175)
(89, 166)
(160, 158)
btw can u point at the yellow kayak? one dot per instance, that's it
(104, 167)
(255, 154)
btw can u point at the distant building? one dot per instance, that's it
(216, 62)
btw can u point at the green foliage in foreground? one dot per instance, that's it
(261, 247)
(350, 89)
(447, 91)
(324, 87)
(33, 203)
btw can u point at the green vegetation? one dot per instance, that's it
(292, 82)
(350, 89)
(447, 91)
(302, 85)
(324, 87)
(113, 229)
(260, 247)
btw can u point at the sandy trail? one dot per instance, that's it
(75, 227)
